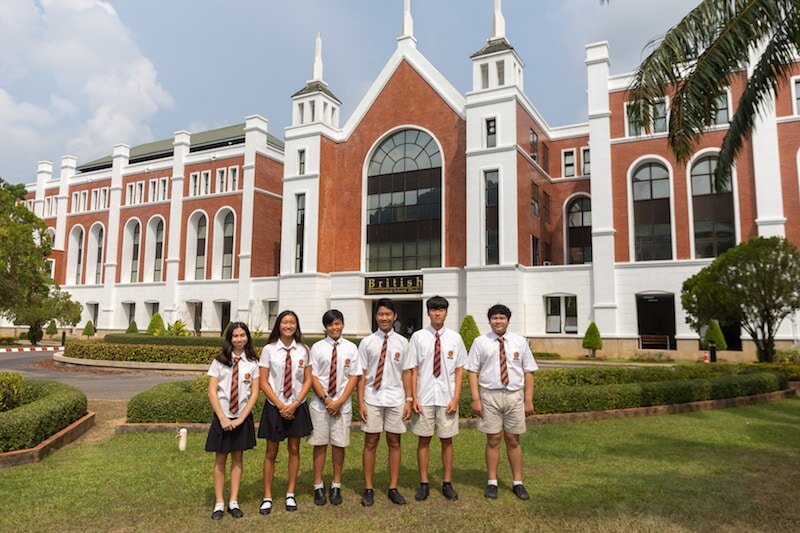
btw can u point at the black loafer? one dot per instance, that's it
(422, 492)
(336, 496)
(490, 492)
(449, 492)
(265, 510)
(319, 497)
(396, 498)
(368, 497)
(235, 512)
(217, 515)
(291, 504)
(520, 492)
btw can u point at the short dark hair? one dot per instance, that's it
(499, 309)
(437, 302)
(387, 303)
(332, 315)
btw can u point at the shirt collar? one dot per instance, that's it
(494, 336)
(280, 345)
(380, 333)
(331, 341)
(433, 331)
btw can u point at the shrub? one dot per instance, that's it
(789, 355)
(8, 340)
(200, 383)
(88, 330)
(178, 329)
(10, 390)
(714, 334)
(591, 339)
(132, 327)
(661, 357)
(52, 329)
(23, 335)
(190, 341)
(546, 355)
(791, 371)
(35, 333)
(156, 325)
(469, 331)
(140, 352)
(47, 408)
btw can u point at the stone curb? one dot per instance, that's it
(36, 349)
(59, 357)
(48, 446)
(535, 420)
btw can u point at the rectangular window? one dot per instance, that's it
(205, 182)
(313, 109)
(546, 207)
(568, 157)
(94, 199)
(300, 113)
(84, 199)
(797, 97)
(634, 124)
(492, 217)
(545, 158)
(722, 115)
(501, 72)
(300, 230)
(152, 191)
(164, 188)
(221, 185)
(535, 257)
(47, 206)
(547, 259)
(74, 203)
(586, 162)
(553, 312)
(301, 162)
(562, 314)
(534, 141)
(491, 132)
(570, 314)
(659, 117)
(104, 198)
(272, 313)
(233, 178)
(485, 76)
(140, 192)
(194, 184)
(534, 199)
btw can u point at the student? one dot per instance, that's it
(286, 380)
(501, 366)
(436, 358)
(384, 397)
(232, 431)
(335, 372)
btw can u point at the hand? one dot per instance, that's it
(226, 423)
(362, 411)
(452, 407)
(407, 411)
(333, 408)
(477, 407)
(288, 411)
(529, 408)
(415, 405)
(236, 422)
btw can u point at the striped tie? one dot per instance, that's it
(376, 384)
(287, 374)
(437, 356)
(332, 378)
(234, 401)
(503, 365)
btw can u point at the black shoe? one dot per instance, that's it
(265, 510)
(422, 492)
(490, 492)
(336, 496)
(520, 492)
(449, 492)
(235, 512)
(319, 497)
(291, 504)
(368, 497)
(217, 515)
(396, 498)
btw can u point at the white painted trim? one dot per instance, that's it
(649, 158)
(217, 249)
(72, 258)
(582, 150)
(150, 250)
(793, 82)
(190, 244)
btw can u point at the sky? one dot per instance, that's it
(79, 76)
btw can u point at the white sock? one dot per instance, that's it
(335, 485)
(492, 482)
(515, 483)
(219, 506)
(233, 504)
(266, 504)
(320, 486)
(290, 494)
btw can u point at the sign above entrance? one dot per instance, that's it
(393, 285)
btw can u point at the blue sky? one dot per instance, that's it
(78, 76)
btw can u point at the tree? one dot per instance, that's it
(591, 339)
(24, 246)
(469, 331)
(156, 325)
(756, 284)
(38, 311)
(714, 334)
(88, 329)
(132, 327)
(693, 64)
(52, 329)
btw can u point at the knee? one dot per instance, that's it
(371, 443)
(493, 441)
(512, 441)
(293, 447)
(393, 441)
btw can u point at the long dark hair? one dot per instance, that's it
(225, 355)
(275, 334)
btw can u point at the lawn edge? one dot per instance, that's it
(63, 437)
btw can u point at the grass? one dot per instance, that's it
(733, 469)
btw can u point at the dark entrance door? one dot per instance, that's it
(409, 316)
(656, 318)
(225, 315)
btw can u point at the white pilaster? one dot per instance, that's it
(68, 166)
(120, 157)
(44, 173)
(180, 150)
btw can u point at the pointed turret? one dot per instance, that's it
(497, 63)
(315, 103)
(407, 30)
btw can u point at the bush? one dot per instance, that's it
(8, 340)
(132, 327)
(10, 390)
(714, 334)
(35, 333)
(52, 329)
(469, 331)
(178, 329)
(591, 339)
(200, 383)
(23, 335)
(47, 407)
(191, 341)
(789, 355)
(156, 325)
(791, 371)
(88, 330)
(546, 355)
(659, 357)
(140, 352)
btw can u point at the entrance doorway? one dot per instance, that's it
(409, 316)
(656, 317)
(196, 310)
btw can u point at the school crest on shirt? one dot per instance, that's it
(450, 354)
(347, 363)
(516, 356)
(396, 356)
(247, 377)
(301, 363)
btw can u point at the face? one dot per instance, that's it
(437, 317)
(385, 318)
(288, 326)
(499, 323)
(334, 329)
(239, 339)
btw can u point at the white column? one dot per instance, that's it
(603, 233)
(171, 310)
(120, 157)
(44, 173)
(68, 166)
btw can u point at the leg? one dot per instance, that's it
(393, 441)
(514, 452)
(319, 462)
(294, 462)
(447, 460)
(338, 463)
(423, 457)
(236, 474)
(492, 454)
(370, 447)
(269, 467)
(220, 460)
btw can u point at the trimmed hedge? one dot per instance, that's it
(176, 402)
(791, 371)
(571, 377)
(11, 385)
(47, 408)
(163, 340)
(138, 352)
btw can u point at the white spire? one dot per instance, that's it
(498, 21)
(408, 22)
(317, 73)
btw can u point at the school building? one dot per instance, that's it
(424, 190)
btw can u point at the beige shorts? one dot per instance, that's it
(334, 430)
(389, 419)
(433, 418)
(503, 410)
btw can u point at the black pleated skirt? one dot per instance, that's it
(241, 438)
(276, 428)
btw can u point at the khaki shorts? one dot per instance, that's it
(329, 429)
(433, 417)
(389, 419)
(503, 410)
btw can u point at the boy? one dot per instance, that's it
(384, 397)
(335, 371)
(436, 358)
(501, 366)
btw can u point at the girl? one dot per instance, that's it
(232, 430)
(286, 380)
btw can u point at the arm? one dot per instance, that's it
(224, 421)
(268, 392)
(408, 388)
(529, 379)
(452, 407)
(477, 407)
(414, 380)
(362, 405)
(335, 406)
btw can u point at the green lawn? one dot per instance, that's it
(733, 469)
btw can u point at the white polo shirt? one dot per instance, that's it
(273, 357)
(248, 374)
(432, 390)
(347, 365)
(391, 393)
(484, 358)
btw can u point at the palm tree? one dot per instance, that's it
(695, 59)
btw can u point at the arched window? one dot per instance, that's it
(713, 211)
(159, 251)
(404, 196)
(651, 212)
(200, 249)
(77, 244)
(227, 247)
(137, 230)
(579, 230)
(94, 255)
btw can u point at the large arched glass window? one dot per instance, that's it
(404, 196)
(713, 211)
(137, 233)
(78, 242)
(579, 230)
(227, 247)
(200, 249)
(651, 212)
(159, 251)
